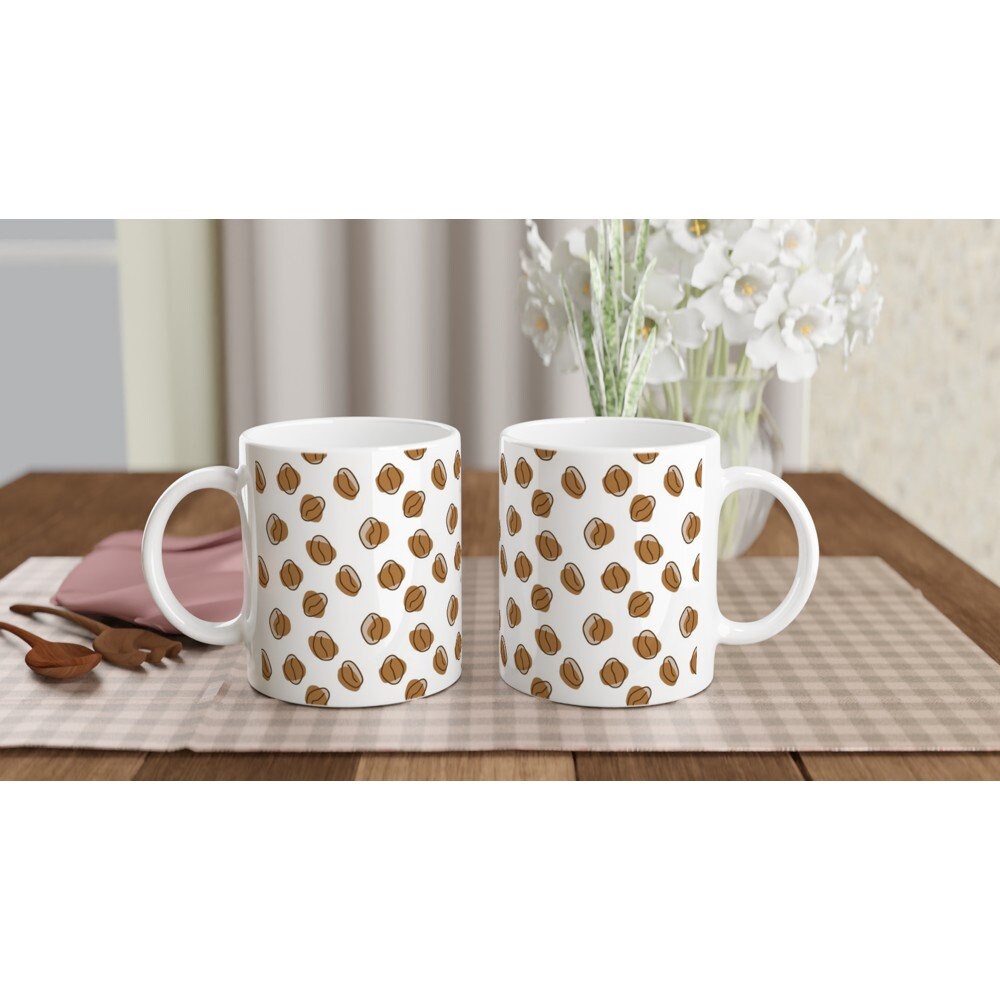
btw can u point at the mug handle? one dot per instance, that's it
(743, 477)
(218, 477)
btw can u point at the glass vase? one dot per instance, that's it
(734, 406)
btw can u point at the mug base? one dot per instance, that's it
(615, 698)
(297, 697)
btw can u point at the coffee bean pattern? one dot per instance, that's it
(364, 588)
(616, 561)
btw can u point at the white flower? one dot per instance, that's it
(797, 244)
(574, 270)
(733, 303)
(694, 235)
(537, 324)
(687, 327)
(792, 347)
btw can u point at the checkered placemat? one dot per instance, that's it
(869, 665)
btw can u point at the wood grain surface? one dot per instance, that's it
(68, 513)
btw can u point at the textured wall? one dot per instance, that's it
(915, 418)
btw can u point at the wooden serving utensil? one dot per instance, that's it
(59, 660)
(124, 647)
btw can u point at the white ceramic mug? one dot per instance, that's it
(608, 559)
(352, 542)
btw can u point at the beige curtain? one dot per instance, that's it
(396, 318)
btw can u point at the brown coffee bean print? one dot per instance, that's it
(421, 638)
(503, 651)
(348, 581)
(314, 457)
(671, 577)
(413, 599)
(646, 457)
(614, 673)
(513, 521)
(522, 659)
(259, 479)
(320, 550)
(545, 454)
(458, 646)
(346, 484)
(640, 604)
(513, 613)
(293, 669)
(262, 574)
(420, 543)
(541, 597)
(313, 604)
(416, 689)
(522, 473)
(571, 674)
(690, 528)
(503, 561)
(415, 453)
(452, 611)
(646, 644)
(317, 695)
(288, 479)
(390, 576)
(694, 661)
(548, 546)
(374, 628)
(503, 470)
(696, 568)
(638, 696)
(311, 508)
(457, 558)
(548, 641)
(688, 622)
(277, 530)
(541, 503)
(540, 688)
(349, 675)
(373, 532)
(265, 665)
(439, 474)
(669, 672)
(389, 478)
(457, 467)
(673, 481)
(451, 521)
(598, 533)
(392, 670)
(615, 578)
(571, 578)
(641, 508)
(413, 503)
(440, 568)
(280, 624)
(597, 629)
(616, 480)
(322, 646)
(522, 567)
(291, 575)
(697, 474)
(649, 549)
(573, 482)
(440, 661)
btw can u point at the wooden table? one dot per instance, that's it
(67, 513)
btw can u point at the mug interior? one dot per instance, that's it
(633, 433)
(335, 433)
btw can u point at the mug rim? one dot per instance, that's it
(639, 433)
(426, 439)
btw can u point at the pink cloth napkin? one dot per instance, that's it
(205, 573)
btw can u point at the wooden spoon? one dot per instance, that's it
(124, 647)
(60, 660)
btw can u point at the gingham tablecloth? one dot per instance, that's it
(869, 665)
